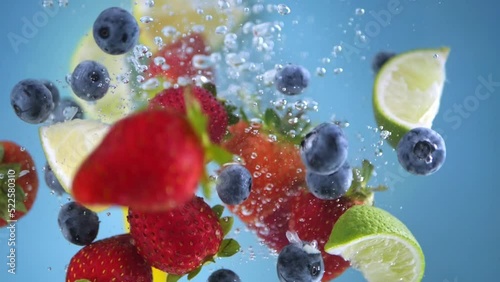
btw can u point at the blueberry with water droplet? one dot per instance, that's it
(116, 31)
(234, 184)
(78, 224)
(52, 181)
(90, 80)
(32, 101)
(300, 261)
(421, 151)
(53, 90)
(380, 59)
(331, 186)
(292, 79)
(224, 275)
(324, 149)
(68, 109)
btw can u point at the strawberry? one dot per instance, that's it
(278, 172)
(18, 182)
(313, 218)
(177, 241)
(152, 160)
(179, 59)
(110, 259)
(173, 98)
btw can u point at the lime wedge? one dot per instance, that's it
(185, 16)
(67, 144)
(118, 102)
(377, 244)
(408, 89)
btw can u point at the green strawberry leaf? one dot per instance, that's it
(271, 118)
(228, 248)
(243, 115)
(193, 273)
(218, 210)
(2, 153)
(231, 117)
(196, 117)
(210, 87)
(173, 278)
(226, 223)
(206, 185)
(366, 171)
(218, 154)
(379, 188)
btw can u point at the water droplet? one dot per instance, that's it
(378, 152)
(326, 60)
(384, 134)
(283, 9)
(49, 268)
(146, 19)
(336, 50)
(338, 70)
(159, 61)
(223, 4)
(202, 61)
(22, 149)
(230, 41)
(253, 155)
(359, 11)
(158, 41)
(169, 31)
(47, 3)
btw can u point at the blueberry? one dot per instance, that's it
(324, 149)
(234, 184)
(78, 224)
(421, 151)
(380, 59)
(332, 186)
(56, 97)
(31, 101)
(90, 80)
(223, 275)
(292, 79)
(300, 262)
(67, 109)
(52, 181)
(116, 31)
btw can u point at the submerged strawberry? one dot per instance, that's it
(152, 160)
(178, 241)
(313, 218)
(110, 259)
(18, 182)
(178, 57)
(173, 98)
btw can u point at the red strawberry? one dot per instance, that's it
(16, 161)
(111, 259)
(177, 241)
(313, 219)
(151, 160)
(173, 98)
(179, 59)
(278, 172)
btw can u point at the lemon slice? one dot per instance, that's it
(377, 244)
(67, 144)
(184, 16)
(408, 89)
(118, 102)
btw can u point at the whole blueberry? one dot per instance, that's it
(234, 184)
(32, 101)
(292, 79)
(90, 80)
(421, 151)
(300, 262)
(52, 181)
(78, 224)
(116, 31)
(324, 149)
(223, 275)
(380, 59)
(56, 97)
(331, 186)
(68, 109)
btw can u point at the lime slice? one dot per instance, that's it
(377, 244)
(118, 102)
(408, 89)
(67, 144)
(184, 16)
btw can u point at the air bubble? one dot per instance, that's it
(338, 70)
(150, 3)
(198, 28)
(384, 134)
(146, 19)
(158, 41)
(320, 71)
(359, 11)
(283, 9)
(169, 31)
(222, 29)
(378, 152)
(202, 61)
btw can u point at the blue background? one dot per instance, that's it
(453, 213)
